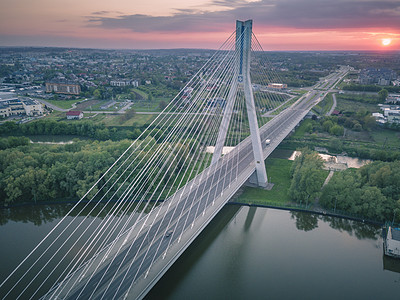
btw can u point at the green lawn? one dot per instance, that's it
(66, 104)
(278, 171)
(385, 136)
(301, 130)
(117, 120)
(353, 106)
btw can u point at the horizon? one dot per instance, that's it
(201, 49)
(285, 25)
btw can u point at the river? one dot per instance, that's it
(248, 253)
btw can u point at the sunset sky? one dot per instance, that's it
(149, 24)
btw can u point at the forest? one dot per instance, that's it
(34, 173)
(371, 192)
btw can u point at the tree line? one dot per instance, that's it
(370, 192)
(50, 173)
(84, 129)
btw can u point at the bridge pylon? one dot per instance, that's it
(242, 81)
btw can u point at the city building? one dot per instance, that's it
(4, 110)
(124, 82)
(393, 98)
(32, 107)
(392, 242)
(277, 86)
(69, 88)
(391, 114)
(74, 114)
(11, 105)
(381, 76)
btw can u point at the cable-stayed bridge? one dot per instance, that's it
(172, 181)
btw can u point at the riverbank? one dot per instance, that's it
(344, 182)
(311, 211)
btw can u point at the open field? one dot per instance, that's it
(66, 104)
(386, 137)
(346, 105)
(278, 171)
(137, 120)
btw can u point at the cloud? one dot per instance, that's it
(300, 14)
(106, 12)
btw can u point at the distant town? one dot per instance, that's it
(29, 77)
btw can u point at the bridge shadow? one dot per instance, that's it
(250, 217)
(179, 270)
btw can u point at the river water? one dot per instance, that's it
(248, 253)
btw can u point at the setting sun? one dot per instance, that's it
(386, 42)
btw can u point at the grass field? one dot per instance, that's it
(138, 120)
(278, 171)
(386, 137)
(146, 106)
(353, 106)
(301, 130)
(65, 104)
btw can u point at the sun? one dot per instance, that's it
(386, 42)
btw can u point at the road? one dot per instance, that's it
(184, 215)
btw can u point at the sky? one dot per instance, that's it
(283, 25)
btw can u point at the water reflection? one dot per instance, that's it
(305, 221)
(41, 214)
(309, 221)
(260, 252)
(391, 264)
(360, 230)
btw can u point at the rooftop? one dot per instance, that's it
(7, 96)
(73, 113)
(29, 102)
(395, 233)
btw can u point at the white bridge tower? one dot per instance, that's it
(242, 80)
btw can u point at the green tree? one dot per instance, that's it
(336, 130)
(162, 104)
(96, 94)
(307, 177)
(383, 93)
(327, 125)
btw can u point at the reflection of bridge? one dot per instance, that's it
(127, 258)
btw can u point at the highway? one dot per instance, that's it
(157, 240)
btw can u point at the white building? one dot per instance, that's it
(124, 82)
(32, 107)
(393, 98)
(392, 242)
(74, 114)
(391, 114)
